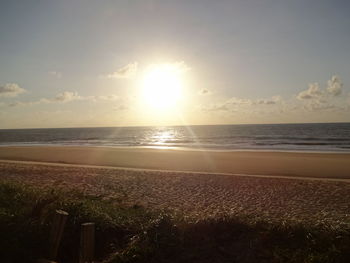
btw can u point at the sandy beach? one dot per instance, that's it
(296, 164)
(196, 195)
(192, 182)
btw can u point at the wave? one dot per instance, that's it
(296, 137)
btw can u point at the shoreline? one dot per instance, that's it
(179, 148)
(36, 163)
(264, 163)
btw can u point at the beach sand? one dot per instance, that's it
(196, 195)
(199, 194)
(319, 165)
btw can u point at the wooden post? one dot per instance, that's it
(87, 243)
(44, 261)
(56, 233)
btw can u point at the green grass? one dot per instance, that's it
(135, 234)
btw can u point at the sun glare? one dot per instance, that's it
(162, 86)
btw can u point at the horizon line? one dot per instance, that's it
(143, 126)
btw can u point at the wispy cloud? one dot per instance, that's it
(56, 74)
(112, 97)
(125, 72)
(175, 67)
(269, 101)
(204, 92)
(66, 96)
(20, 103)
(239, 101)
(214, 107)
(179, 66)
(11, 90)
(234, 103)
(319, 106)
(121, 108)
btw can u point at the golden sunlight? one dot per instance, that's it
(162, 86)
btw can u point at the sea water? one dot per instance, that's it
(330, 137)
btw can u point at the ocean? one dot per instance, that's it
(328, 137)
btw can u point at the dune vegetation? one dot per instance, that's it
(133, 233)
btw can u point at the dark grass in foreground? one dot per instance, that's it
(134, 234)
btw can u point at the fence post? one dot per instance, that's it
(87, 243)
(56, 232)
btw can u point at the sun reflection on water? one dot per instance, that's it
(162, 137)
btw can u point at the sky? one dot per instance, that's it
(84, 63)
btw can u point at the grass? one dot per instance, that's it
(135, 234)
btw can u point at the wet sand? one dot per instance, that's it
(317, 165)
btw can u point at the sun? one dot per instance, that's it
(162, 86)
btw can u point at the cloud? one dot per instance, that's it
(10, 90)
(335, 86)
(125, 72)
(313, 99)
(130, 70)
(66, 96)
(312, 92)
(271, 101)
(204, 92)
(56, 74)
(175, 67)
(18, 103)
(29, 103)
(248, 102)
(215, 107)
(63, 97)
(112, 97)
(317, 99)
(318, 106)
(235, 104)
(238, 101)
(121, 108)
(180, 66)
